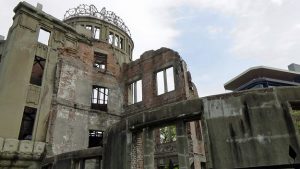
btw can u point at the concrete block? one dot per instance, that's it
(26, 146)
(1, 143)
(29, 23)
(41, 50)
(11, 145)
(39, 6)
(39, 147)
(33, 94)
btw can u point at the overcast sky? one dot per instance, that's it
(217, 38)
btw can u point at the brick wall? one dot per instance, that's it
(146, 68)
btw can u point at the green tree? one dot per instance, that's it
(168, 134)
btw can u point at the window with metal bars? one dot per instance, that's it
(99, 98)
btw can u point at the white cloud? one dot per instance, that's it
(265, 30)
(214, 30)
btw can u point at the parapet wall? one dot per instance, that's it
(21, 154)
(145, 69)
(252, 128)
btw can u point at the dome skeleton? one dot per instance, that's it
(92, 11)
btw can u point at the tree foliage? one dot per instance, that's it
(168, 134)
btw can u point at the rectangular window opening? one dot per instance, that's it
(160, 83)
(165, 81)
(170, 79)
(198, 130)
(37, 71)
(27, 124)
(110, 38)
(135, 92)
(44, 36)
(167, 134)
(296, 115)
(95, 138)
(116, 41)
(99, 98)
(121, 43)
(96, 33)
(129, 50)
(100, 61)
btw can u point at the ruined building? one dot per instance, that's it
(65, 83)
(72, 97)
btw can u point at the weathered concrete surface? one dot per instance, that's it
(149, 145)
(251, 129)
(182, 145)
(21, 154)
(119, 140)
(245, 129)
(115, 153)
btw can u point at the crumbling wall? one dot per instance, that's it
(75, 78)
(146, 68)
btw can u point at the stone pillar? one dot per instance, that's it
(149, 148)
(182, 145)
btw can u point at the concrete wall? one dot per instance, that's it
(251, 129)
(242, 130)
(15, 90)
(28, 153)
(67, 80)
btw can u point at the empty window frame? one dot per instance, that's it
(121, 44)
(198, 130)
(100, 61)
(165, 81)
(135, 94)
(116, 42)
(129, 50)
(110, 38)
(167, 134)
(27, 124)
(295, 106)
(96, 34)
(44, 36)
(95, 138)
(37, 71)
(99, 98)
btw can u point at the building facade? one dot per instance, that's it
(64, 84)
(265, 77)
(72, 97)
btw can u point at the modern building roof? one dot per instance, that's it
(260, 72)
